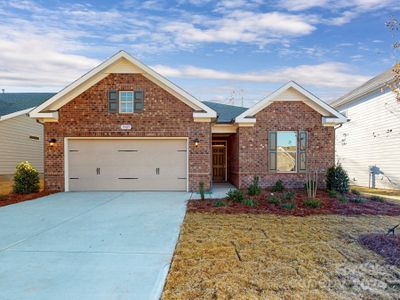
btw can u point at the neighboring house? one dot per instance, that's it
(368, 145)
(122, 126)
(21, 138)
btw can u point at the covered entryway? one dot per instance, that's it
(219, 160)
(126, 164)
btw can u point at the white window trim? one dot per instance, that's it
(297, 150)
(119, 102)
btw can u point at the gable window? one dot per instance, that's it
(126, 102)
(286, 151)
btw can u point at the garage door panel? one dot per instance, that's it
(127, 164)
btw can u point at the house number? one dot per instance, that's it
(126, 126)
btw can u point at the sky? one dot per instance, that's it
(234, 52)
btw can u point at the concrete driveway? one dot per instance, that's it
(93, 245)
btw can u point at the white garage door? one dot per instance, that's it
(127, 165)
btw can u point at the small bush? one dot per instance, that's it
(26, 179)
(312, 203)
(201, 190)
(235, 195)
(289, 195)
(355, 192)
(254, 188)
(219, 203)
(288, 205)
(274, 200)
(249, 202)
(342, 198)
(332, 193)
(358, 200)
(337, 179)
(278, 186)
(377, 198)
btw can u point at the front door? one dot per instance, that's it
(219, 163)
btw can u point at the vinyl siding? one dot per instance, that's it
(371, 138)
(16, 146)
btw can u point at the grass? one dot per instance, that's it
(383, 192)
(223, 256)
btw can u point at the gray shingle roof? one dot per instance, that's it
(226, 113)
(13, 102)
(370, 86)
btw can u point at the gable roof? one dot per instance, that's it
(330, 116)
(226, 113)
(371, 85)
(11, 103)
(121, 62)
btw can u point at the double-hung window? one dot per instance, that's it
(126, 101)
(287, 151)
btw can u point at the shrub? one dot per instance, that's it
(26, 179)
(201, 190)
(235, 195)
(358, 200)
(355, 192)
(288, 205)
(289, 195)
(377, 198)
(274, 200)
(332, 193)
(278, 186)
(219, 203)
(254, 188)
(312, 203)
(337, 179)
(249, 202)
(342, 198)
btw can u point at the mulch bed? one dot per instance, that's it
(328, 206)
(387, 246)
(16, 198)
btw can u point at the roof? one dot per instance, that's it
(128, 64)
(14, 102)
(330, 116)
(226, 113)
(370, 86)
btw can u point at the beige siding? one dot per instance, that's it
(16, 146)
(371, 138)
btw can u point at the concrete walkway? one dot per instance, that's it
(104, 245)
(218, 191)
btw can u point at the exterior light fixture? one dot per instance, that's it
(196, 142)
(52, 142)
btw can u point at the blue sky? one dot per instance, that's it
(225, 51)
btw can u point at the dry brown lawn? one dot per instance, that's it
(222, 256)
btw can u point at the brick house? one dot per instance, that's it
(122, 126)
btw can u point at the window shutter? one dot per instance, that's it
(139, 101)
(272, 148)
(302, 151)
(113, 101)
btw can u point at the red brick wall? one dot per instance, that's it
(233, 159)
(284, 116)
(163, 116)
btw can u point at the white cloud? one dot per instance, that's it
(330, 74)
(241, 26)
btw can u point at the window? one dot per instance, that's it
(126, 102)
(286, 151)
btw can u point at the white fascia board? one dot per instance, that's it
(15, 114)
(46, 116)
(251, 112)
(331, 120)
(191, 101)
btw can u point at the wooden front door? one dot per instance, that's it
(219, 163)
